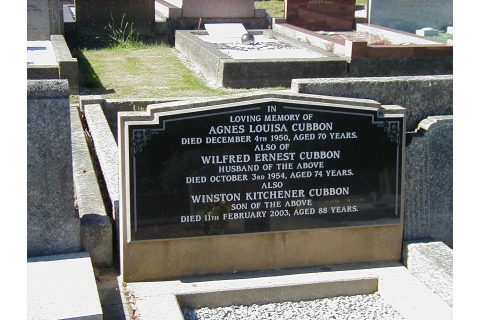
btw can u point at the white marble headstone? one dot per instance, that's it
(38, 22)
(225, 30)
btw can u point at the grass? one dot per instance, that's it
(275, 8)
(443, 35)
(131, 69)
(141, 72)
(123, 35)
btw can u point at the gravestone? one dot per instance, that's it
(411, 15)
(95, 17)
(244, 183)
(321, 15)
(225, 30)
(430, 176)
(216, 9)
(44, 18)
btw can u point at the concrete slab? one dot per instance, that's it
(264, 47)
(257, 66)
(40, 53)
(396, 285)
(62, 287)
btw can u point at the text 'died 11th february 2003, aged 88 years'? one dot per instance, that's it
(262, 167)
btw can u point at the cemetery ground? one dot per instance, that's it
(125, 68)
(138, 71)
(141, 71)
(128, 68)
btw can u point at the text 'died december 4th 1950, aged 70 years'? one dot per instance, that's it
(263, 167)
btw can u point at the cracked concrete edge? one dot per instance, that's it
(396, 285)
(128, 304)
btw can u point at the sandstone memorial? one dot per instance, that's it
(327, 15)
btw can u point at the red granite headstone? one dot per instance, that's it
(326, 15)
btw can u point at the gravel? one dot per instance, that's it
(369, 306)
(263, 48)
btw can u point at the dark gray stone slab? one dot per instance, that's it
(53, 226)
(94, 17)
(429, 182)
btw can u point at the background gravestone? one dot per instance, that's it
(218, 9)
(94, 16)
(410, 15)
(326, 15)
(44, 18)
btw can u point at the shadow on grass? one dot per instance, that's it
(89, 82)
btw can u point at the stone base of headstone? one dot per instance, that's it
(431, 263)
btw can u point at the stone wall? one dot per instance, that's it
(53, 226)
(422, 96)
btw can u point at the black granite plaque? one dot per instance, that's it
(263, 167)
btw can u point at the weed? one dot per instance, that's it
(124, 36)
(273, 34)
(329, 47)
